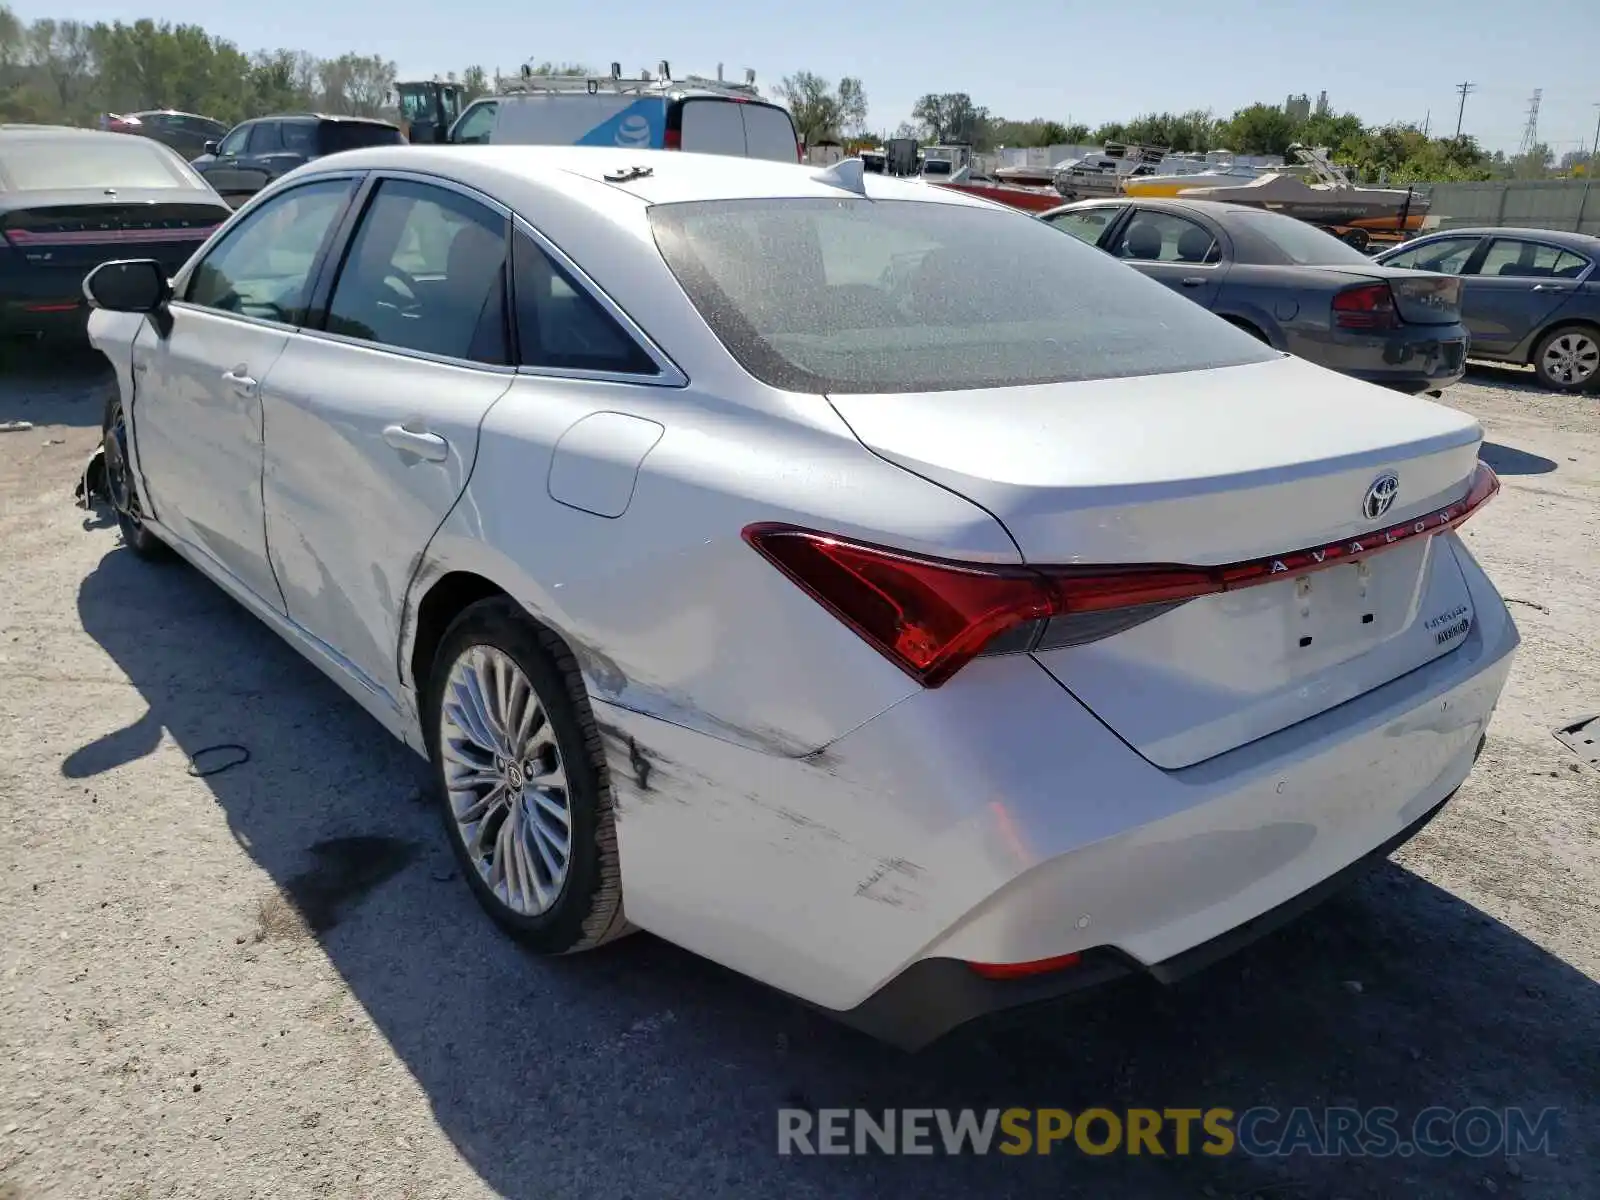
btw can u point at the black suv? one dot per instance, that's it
(258, 151)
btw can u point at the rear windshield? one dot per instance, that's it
(91, 161)
(345, 135)
(855, 295)
(1291, 241)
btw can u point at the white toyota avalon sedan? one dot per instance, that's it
(856, 583)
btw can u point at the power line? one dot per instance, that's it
(1464, 89)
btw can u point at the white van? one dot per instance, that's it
(705, 116)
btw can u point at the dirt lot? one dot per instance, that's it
(266, 982)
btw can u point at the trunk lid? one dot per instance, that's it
(1420, 297)
(1209, 468)
(67, 230)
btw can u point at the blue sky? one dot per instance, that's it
(1090, 61)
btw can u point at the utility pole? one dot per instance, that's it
(1464, 89)
(1594, 154)
(1427, 122)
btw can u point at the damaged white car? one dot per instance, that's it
(853, 582)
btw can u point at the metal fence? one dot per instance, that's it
(1569, 204)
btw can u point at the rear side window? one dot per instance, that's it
(1290, 241)
(854, 295)
(266, 138)
(335, 136)
(561, 326)
(300, 137)
(91, 161)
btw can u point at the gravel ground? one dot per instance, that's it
(265, 982)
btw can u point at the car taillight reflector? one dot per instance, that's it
(672, 139)
(1365, 306)
(930, 617)
(1024, 970)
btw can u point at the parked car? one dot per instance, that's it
(186, 133)
(256, 152)
(1528, 296)
(703, 116)
(776, 570)
(1288, 283)
(71, 199)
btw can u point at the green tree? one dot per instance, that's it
(952, 117)
(813, 104)
(1260, 129)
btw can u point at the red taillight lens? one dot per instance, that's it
(672, 139)
(1025, 970)
(930, 617)
(799, 150)
(1365, 306)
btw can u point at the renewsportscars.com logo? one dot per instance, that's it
(1255, 1132)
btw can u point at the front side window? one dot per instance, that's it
(1085, 224)
(1530, 260)
(262, 266)
(856, 295)
(1446, 256)
(477, 124)
(233, 144)
(561, 326)
(425, 272)
(1164, 237)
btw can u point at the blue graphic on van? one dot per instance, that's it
(642, 125)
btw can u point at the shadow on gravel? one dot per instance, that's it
(644, 1071)
(53, 385)
(1508, 460)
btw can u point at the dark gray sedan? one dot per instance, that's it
(256, 152)
(1288, 283)
(1527, 296)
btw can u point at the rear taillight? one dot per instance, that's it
(930, 617)
(672, 139)
(799, 150)
(1365, 306)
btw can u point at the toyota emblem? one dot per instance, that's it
(1380, 495)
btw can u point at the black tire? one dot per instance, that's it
(1357, 239)
(1244, 326)
(1590, 337)
(120, 488)
(588, 909)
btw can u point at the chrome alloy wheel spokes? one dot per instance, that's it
(505, 780)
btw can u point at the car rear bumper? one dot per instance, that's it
(996, 820)
(1415, 358)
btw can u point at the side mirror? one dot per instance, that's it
(138, 285)
(212, 147)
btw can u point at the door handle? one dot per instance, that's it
(429, 447)
(1193, 281)
(1549, 287)
(241, 382)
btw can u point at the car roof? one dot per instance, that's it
(1584, 242)
(317, 116)
(514, 172)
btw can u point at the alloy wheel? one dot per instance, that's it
(505, 780)
(1571, 359)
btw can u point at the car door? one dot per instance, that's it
(197, 411)
(223, 169)
(1181, 252)
(1514, 287)
(373, 421)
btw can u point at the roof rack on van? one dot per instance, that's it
(645, 83)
